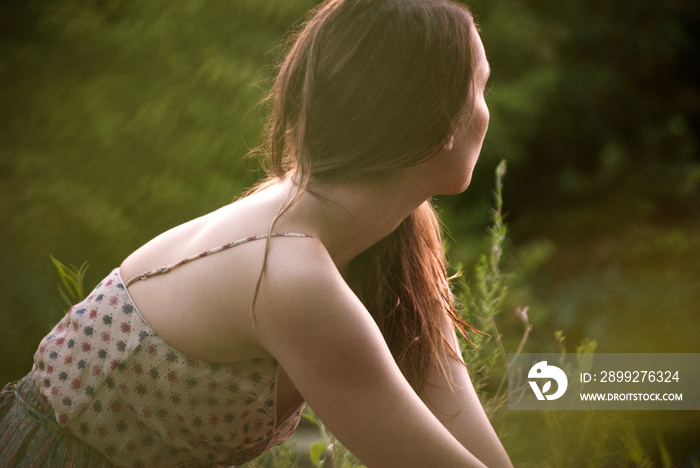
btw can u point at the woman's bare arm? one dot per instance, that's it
(459, 409)
(329, 345)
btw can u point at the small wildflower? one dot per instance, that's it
(522, 313)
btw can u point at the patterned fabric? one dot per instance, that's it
(30, 436)
(116, 385)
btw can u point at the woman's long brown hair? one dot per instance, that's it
(370, 87)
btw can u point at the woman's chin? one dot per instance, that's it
(458, 187)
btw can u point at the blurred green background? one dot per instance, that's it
(120, 119)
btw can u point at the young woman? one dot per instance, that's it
(325, 285)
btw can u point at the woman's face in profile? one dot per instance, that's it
(455, 163)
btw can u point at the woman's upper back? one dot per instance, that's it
(204, 307)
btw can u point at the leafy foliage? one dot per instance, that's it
(72, 279)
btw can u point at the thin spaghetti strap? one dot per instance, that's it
(167, 268)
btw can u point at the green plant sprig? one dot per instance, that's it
(72, 279)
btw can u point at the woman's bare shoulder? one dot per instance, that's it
(300, 272)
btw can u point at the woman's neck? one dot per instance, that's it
(350, 217)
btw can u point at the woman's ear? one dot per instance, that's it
(450, 143)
